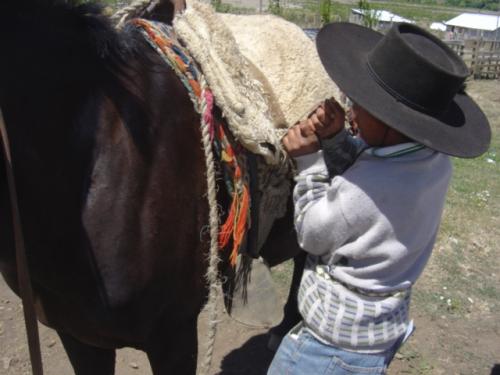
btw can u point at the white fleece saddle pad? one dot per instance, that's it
(264, 72)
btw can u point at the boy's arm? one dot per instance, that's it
(340, 151)
(319, 220)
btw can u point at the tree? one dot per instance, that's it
(275, 7)
(325, 10)
(216, 4)
(370, 16)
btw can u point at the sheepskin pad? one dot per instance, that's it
(264, 72)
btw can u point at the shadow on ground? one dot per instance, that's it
(252, 358)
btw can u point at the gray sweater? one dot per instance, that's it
(369, 233)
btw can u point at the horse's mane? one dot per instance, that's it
(58, 57)
(55, 39)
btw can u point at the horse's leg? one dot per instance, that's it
(86, 359)
(282, 245)
(174, 348)
(291, 311)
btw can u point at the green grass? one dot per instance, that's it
(423, 15)
(341, 12)
(416, 364)
(461, 284)
(420, 14)
(491, 5)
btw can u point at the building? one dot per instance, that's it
(385, 19)
(438, 26)
(473, 26)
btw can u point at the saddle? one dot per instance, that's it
(265, 75)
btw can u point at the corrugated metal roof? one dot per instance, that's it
(384, 16)
(475, 21)
(438, 26)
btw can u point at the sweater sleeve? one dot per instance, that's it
(341, 151)
(320, 224)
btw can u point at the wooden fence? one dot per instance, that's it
(481, 56)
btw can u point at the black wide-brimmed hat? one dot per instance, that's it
(408, 79)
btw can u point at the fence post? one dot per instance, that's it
(471, 44)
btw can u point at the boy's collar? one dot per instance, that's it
(395, 150)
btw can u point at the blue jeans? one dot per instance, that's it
(300, 353)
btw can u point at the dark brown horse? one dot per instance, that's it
(111, 183)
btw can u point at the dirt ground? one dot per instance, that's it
(456, 303)
(239, 349)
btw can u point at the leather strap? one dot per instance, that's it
(23, 275)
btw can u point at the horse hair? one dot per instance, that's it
(78, 32)
(59, 50)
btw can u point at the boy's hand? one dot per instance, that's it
(326, 121)
(299, 142)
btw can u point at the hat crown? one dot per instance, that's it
(417, 69)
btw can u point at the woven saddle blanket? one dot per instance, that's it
(264, 72)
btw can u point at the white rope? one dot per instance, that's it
(129, 11)
(212, 271)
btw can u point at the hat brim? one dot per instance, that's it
(462, 131)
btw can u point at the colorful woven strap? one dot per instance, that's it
(231, 155)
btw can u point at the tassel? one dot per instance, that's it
(225, 157)
(227, 228)
(240, 225)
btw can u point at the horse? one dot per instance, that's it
(111, 186)
(111, 206)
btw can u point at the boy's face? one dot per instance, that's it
(371, 130)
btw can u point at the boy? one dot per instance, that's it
(370, 231)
